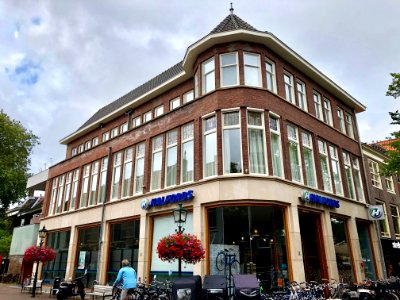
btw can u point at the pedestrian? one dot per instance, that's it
(126, 275)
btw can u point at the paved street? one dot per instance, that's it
(13, 292)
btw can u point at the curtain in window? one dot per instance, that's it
(349, 180)
(336, 177)
(156, 172)
(139, 175)
(232, 153)
(171, 166)
(357, 181)
(210, 155)
(276, 155)
(326, 179)
(256, 151)
(309, 166)
(294, 162)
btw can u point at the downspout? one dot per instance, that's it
(103, 209)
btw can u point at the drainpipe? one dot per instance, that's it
(103, 209)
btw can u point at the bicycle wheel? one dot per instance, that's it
(235, 267)
(220, 261)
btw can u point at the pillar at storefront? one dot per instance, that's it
(296, 252)
(355, 250)
(143, 259)
(69, 272)
(199, 268)
(329, 246)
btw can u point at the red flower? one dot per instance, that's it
(180, 245)
(36, 253)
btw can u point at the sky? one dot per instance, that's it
(61, 61)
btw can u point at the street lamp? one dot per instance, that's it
(180, 215)
(42, 236)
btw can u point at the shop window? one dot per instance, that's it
(93, 183)
(232, 154)
(384, 224)
(229, 69)
(187, 155)
(357, 180)
(374, 170)
(294, 154)
(102, 182)
(366, 250)
(59, 242)
(317, 105)
(342, 126)
(124, 244)
(394, 211)
(127, 173)
(327, 112)
(106, 136)
(260, 245)
(171, 158)
(349, 125)
(308, 154)
(389, 184)
(174, 103)
(74, 195)
(87, 253)
(337, 178)
(256, 142)
(276, 145)
(342, 249)
(67, 193)
(323, 160)
(252, 69)
(85, 187)
(289, 88)
(208, 76)
(349, 175)
(188, 97)
(116, 176)
(60, 194)
(210, 146)
(301, 95)
(156, 163)
(270, 75)
(139, 168)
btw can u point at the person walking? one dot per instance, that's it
(126, 275)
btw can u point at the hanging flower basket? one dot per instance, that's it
(180, 245)
(36, 253)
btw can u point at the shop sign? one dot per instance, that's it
(396, 245)
(376, 212)
(318, 199)
(164, 200)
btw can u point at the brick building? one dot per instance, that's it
(260, 147)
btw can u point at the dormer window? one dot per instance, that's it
(252, 74)
(229, 69)
(208, 76)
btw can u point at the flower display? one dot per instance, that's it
(36, 253)
(180, 245)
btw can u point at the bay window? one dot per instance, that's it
(252, 74)
(276, 146)
(210, 146)
(232, 156)
(270, 75)
(229, 69)
(256, 138)
(208, 76)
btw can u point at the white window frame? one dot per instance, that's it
(389, 184)
(102, 181)
(323, 155)
(334, 157)
(116, 176)
(276, 132)
(158, 111)
(106, 136)
(73, 151)
(53, 196)
(95, 141)
(357, 180)
(374, 171)
(171, 142)
(88, 145)
(309, 147)
(294, 140)
(349, 175)
(396, 220)
(342, 125)
(81, 148)
(139, 163)
(188, 97)
(127, 173)
(147, 117)
(157, 150)
(137, 121)
(230, 127)
(60, 194)
(385, 221)
(84, 197)
(93, 183)
(289, 87)
(270, 74)
(174, 103)
(249, 66)
(207, 132)
(349, 125)
(67, 192)
(327, 110)
(123, 128)
(114, 132)
(224, 67)
(184, 140)
(302, 95)
(74, 189)
(261, 128)
(318, 106)
(210, 73)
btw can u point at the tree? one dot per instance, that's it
(393, 163)
(5, 235)
(16, 144)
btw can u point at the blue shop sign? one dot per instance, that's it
(318, 199)
(164, 200)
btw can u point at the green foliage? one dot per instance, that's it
(16, 144)
(5, 235)
(394, 91)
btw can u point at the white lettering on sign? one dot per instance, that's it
(396, 245)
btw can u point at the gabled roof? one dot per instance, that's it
(386, 144)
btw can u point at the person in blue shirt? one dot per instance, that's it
(126, 275)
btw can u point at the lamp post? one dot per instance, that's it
(180, 215)
(42, 236)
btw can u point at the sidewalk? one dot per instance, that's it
(12, 291)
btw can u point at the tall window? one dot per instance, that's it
(384, 224)
(103, 180)
(394, 211)
(74, 195)
(232, 156)
(60, 193)
(270, 75)
(229, 69)
(172, 158)
(357, 180)
(252, 74)
(375, 177)
(255, 135)
(53, 196)
(276, 146)
(289, 89)
(337, 179)
(210, 146)
(157, 162)
(187, 155)
(85, 186)
(93, 183)
(197, 83)
(127, 174)
(317, 105)
(294, 153)
(116, 177)
(208, 79)
(67, 194)
(309, 164)
(301, 95)
(349, 175)
(139, 168)
(323, 159)
(349, 125)
(342, 126)
(327, 112)
(389, 184)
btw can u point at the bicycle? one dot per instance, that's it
(226, 261)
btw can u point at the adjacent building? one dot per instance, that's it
(260, 147)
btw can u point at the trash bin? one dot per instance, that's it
(187, 288)
(246, 287)
(214, 287)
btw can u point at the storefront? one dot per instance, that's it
(391, 252)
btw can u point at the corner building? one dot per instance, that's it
(260, 147)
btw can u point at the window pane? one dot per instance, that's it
(210, 154)
(256, 151)
(187, 161)
(171, 166)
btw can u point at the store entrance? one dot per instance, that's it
(312, 244)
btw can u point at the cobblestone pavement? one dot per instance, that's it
(13, 292)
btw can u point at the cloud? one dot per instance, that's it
(26, 72)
